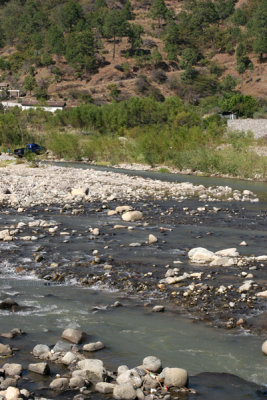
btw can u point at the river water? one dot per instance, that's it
(132, 332)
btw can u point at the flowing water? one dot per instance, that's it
(132, 332)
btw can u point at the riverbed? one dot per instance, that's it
(71, 277)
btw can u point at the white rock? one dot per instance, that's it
(245, 287)
(72, 335)
(152, 363)
(131, 216)
(131, 376)
(121, 209)
(223, 262)
(94, 369)
(175, 377)
(68, 358)
(12, 393)
(93, 346)
(264, 347)
(124, 392)
(228, 252)
(201, 255)
(12, 369)
(262, 294)
(40, 349)
(243, 243)
(152, 239)
(59, 384)
(104, 387)
(39, 368)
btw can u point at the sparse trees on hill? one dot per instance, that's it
(159, 11)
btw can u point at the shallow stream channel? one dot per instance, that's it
(72, 278)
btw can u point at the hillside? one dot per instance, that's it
(65, 49)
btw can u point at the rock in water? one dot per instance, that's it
(152, 363)
(72, 335)
(12, 369)
(175, 377)
(93, 346)
(5, 350)
(201, 255)
(39, 368)
(152, 239)
(40, 349)
(59, 384)
(131, 216)
(264, 347)
(124, 392)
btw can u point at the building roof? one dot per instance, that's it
(4, 84)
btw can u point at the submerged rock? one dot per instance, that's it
(73, 335)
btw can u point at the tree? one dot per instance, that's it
(55, 39)
(259, 26)
(134, 33)
(156, 57)
(115, 25)
(228, 83)
(70, 14)
(80, 52)
(189, 58)
(29, 83)
(159, 11)
(244, 106)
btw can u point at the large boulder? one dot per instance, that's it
(12, 393)
(77, 382)
(177, 377)
(262, 294)
(59, 384)
(12, 369)
(152, 363)
(62, 347)
(201, 255)
(223, 262)
(68, 358)
(5, 350)
(264, 347)
(124, 392)
(95, 371)
(72, 335)
(104, 387)
(93, 346)
(39, 368)
(40, 349)
(227, 252)
(130, 376)
(131, 216)
(9, 304)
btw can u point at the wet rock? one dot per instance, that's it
(93, 346)
(228, 252)
(68, 358)
(152, 239)
(94, 368)
(152, 363)
(124, 392)
(201, 255)
(39, 368)
(131, 216)
(73, 335)
(243, 243)
(247, 285)
(59, 384)
(9, 304)
(104, 387)
(12, 369)
(131, 376)
(158, 309)
(177, 377)
(262, 294)
(39, 349)
(95, 232)
(77, 382)
(12, 393)
(8, 382)
(5, 350)
(122, 369)
(264, 347)
(62, 346)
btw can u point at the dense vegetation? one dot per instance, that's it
(138, 130)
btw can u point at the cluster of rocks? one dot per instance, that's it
(145, 382)
(11, 232)
(21, 186)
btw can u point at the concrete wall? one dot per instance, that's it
(257, 126)
(7, 104)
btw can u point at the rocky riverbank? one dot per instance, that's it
(22, 186)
